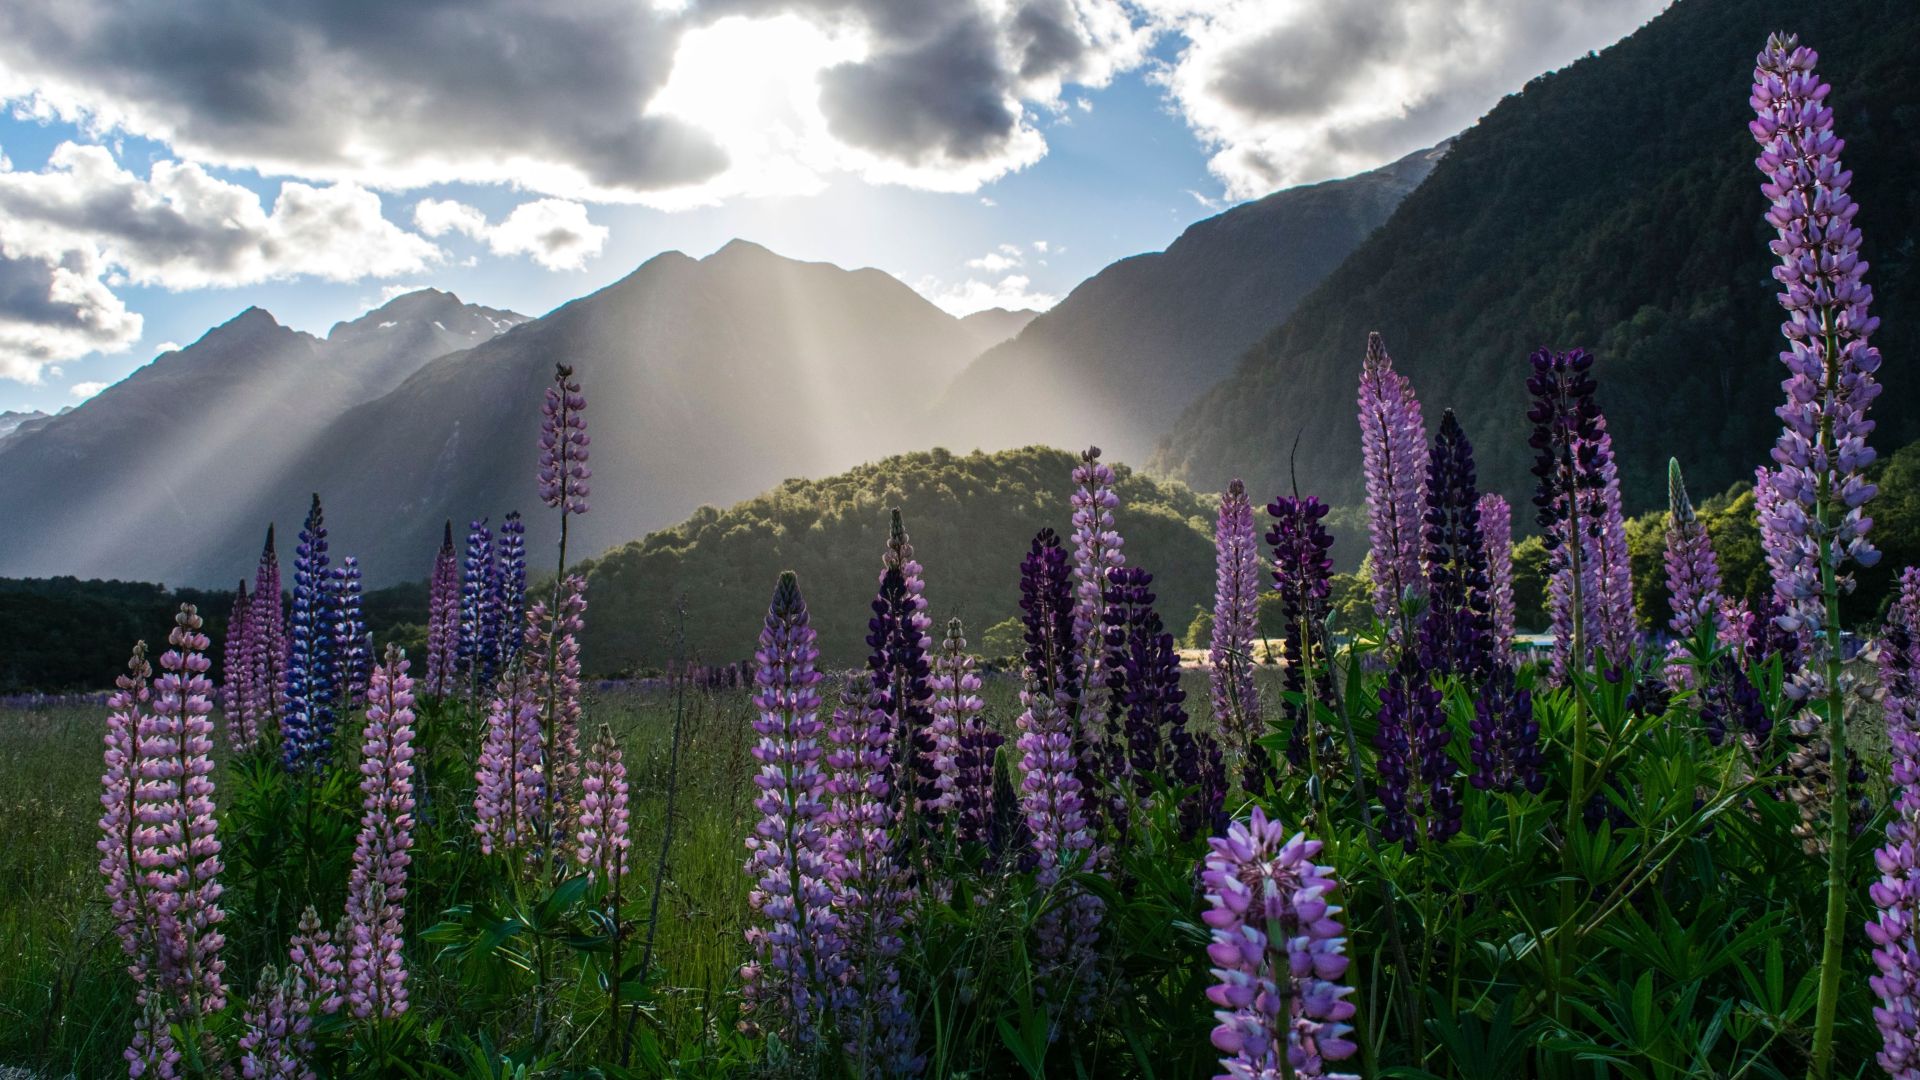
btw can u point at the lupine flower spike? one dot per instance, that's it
(236, 669)
(793, 935)
(308, 727)
(1567, 427)
(1496, 531)
(1456, 637)
(1693, 576)
(964, 741)
(1393, 455)
(1236, 588)
(1818, 521)
(479, 622)
(899, 635)
(1278, 955)
(269, 623)
(510, 583)
(1096, 554)
(601, 842)
(351, 643)
(1303, 576)
(1895, 928)
(443, 618)
(377, 887)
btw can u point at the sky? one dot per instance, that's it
(165, 166)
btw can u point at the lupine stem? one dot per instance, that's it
(1827, 1006)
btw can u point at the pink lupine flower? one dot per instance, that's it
(377, 888)
(182, 864)
(236, 670)
(600, 839)
(1236, 594)
(1096, 554)
(276, 1025)
(1393, 455)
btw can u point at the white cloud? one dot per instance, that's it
(1040, 246)
(1292, 91)
(85, 390)
(556, 233)
(166, 347)
(1004, 257)
(1010, 291)
(57, 309)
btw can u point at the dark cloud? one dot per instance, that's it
(943, 97)
(1298, 69)
(56, 310)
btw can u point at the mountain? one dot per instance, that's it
(1115, 362)
(132, 483)
(707, 380)
(995, 325)
(1612, 205)
(970, 518)
(11, 420)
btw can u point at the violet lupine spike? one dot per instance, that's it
(313, 957)
(553, 648)
(276, 1024)
(124, 844)
(963, 743)
(1906, 601)
(1456, 636)
(1303, 576)
(1895, 927)
(1096, 553)
(1052, 798)
(479, 623)
(1393, 454)
(1693, 575)
(1236, 595)
(1418, 792)
(794, 937)
(1611, 611)
(871, 894)
(351, 645)
(182, 871)
(236, 671)
(443, 618)
(602, 841)
(1496, 531)
(1278, 955)
(269, 622)
(377, 887)
(510, 581)
(1822, 453)
(510, 774)
(1505, 741)
(898, 671)
(563, 444)
(1567, 427)
(308, 727)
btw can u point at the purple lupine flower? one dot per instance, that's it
(1570, 501)
(276, 1025)
(553, 648)
(871, 894)
(443, 618)
(1236, 588)
(1505, 741)
(510, 582)
(1052, 797)
(1096, 554)
(509, 792)
(1147, 732)
(313, 957)
(1278, 955)
(1303, 576)
(1906, 600)
(377, 888)
(479, 623)
(1496, 531)
(269, 622)
(899, 635)
(1456, 636)
(1418, 794)
(236, 671)
(308, 727)
(1610, 606)
(601, 840)
(794, 937)
(175, 807)
(123, 845)
(1895, 928)
(964, 744)
(1693, 577)
(1393, 454)
(352, 647)
(1822, 453)
(563, 445)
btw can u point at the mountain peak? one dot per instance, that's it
(737, 248)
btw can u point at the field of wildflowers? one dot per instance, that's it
(1401, 851)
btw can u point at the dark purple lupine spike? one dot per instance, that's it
(1505, 745)
(510, 584)
(479, 623)
(964, 742)
(1303, 575)
(308, 728)
(443, 618)
(351, 645)
(1456, 636)
(899, 678)
(236, 670)
(1417, 789)
(269, 620)
(1573, 469)
(1146, 714)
